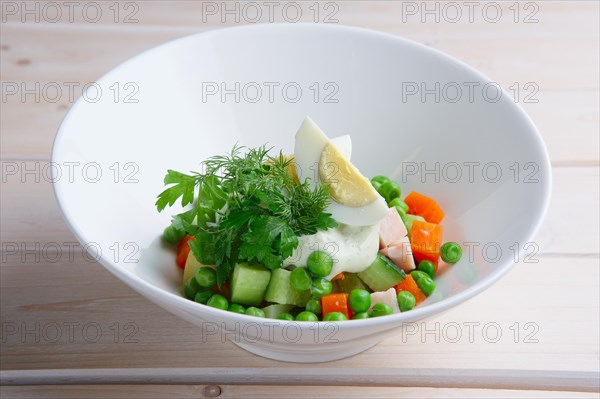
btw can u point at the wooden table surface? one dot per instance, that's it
(69, 329)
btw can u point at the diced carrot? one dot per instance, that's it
(339, 276)
(419, 204)
(426, 240)
(410, 285)
(183, 250)
(336, 303)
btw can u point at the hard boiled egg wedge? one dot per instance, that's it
(344, 144)
(354, 201)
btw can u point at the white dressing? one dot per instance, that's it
(353, 248)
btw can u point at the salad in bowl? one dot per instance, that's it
(303, 237)
(254, 225)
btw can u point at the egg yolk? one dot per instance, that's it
(346, 184)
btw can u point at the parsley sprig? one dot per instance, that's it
(245, 207)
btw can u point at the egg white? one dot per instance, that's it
(343, 144)
(310, 142)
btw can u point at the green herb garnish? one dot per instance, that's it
(245, 208)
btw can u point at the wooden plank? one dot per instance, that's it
(36, 52)
(39, 61)
(575, 197)
(381, 377)
(30, 214)
(525, 49)
(31, 217)
(533, 315)
(265, 392)
(567, 18)
(46, 54)
(568, 122)
(105, 325)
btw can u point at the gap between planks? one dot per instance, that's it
(152, 391)
(559, 380)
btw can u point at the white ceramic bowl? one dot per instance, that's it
(158, 111)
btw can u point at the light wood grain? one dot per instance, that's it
(566, 101)
(559, 296)
(264, 392)
(426, 378)
(566, 18)
(84, 293)
(575, 193)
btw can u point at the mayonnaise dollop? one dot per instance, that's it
(353, 248)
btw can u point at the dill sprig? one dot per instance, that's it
(246, 207)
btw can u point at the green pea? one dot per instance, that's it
(218, 301)
(401, 212)
(427, 285)
(381, 309)
(390, 190)
(424, 282)
(235, 308)
(285, 316)
(406, 301)
(300, 279)
(256, 312)
(428, 267)
(320, 287)
(313, 305)
(361, 315)
(335, 316)
(172, 235)
(418, 274)
(320, 263)
(398, 203)
(359, 300)
(377, 181)
(190, 288)
(451, 252)
(307, 316)
(206, 277)
(203, 296)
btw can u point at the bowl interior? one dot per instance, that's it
(419, 116)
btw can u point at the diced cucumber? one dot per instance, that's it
(382, 274)
(272, 311)
(281, 291)
(191, 266)
(249, 283)
(408, 220)
(348, 283)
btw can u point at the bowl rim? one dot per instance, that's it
(149, 290)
